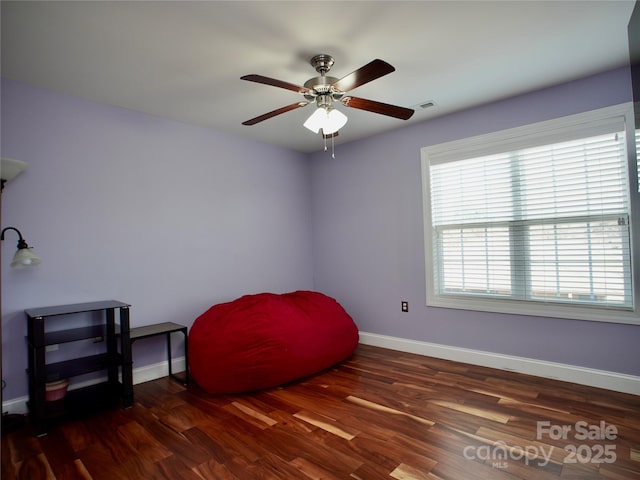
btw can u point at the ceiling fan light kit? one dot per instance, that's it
(329, 120)
(324, 90)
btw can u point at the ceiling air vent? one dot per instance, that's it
(427, 104)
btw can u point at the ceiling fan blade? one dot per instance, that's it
(372, 70)
(378, 107)
(267, 116)
(275, 83)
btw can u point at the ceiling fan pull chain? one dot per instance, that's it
(333, 153)
(325, 142)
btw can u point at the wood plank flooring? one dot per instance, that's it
(381, 414)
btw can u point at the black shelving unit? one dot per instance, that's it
(117, 390)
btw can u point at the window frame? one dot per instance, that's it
(555, 130)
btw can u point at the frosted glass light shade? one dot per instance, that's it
(329, 120)
(24, 258)
(316, 120)
(335, 121)
(10, 168)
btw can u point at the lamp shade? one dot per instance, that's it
(10, 168)
(24, 258)
(335, 121)
(329, 120)
(316, 120)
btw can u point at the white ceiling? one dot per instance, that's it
(183, 59)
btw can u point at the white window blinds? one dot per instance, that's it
(543, 217)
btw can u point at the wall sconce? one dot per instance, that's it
(23, 257)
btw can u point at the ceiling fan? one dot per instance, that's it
(324, 90)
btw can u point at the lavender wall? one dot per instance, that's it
(166, 216)
(368, 237)
(173, 218)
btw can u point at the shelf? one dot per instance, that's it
(157, 329)
(72, 335)
(93, 398)
(84, 401)
(74, 308)
(114, 359)
(76, 367)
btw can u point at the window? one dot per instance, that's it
(535, 220)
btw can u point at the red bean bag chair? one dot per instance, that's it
(264, 340)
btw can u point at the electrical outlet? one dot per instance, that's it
(404, 305)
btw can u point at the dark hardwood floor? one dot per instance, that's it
(381, 414)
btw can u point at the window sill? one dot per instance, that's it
(535, 309)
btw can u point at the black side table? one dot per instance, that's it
(167, 329)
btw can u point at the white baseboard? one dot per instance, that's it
(618, 382)
(157, 370)
(140, 375)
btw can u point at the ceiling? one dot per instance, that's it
(183, 60)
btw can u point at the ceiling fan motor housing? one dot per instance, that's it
(322, 63)
(321, 87)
